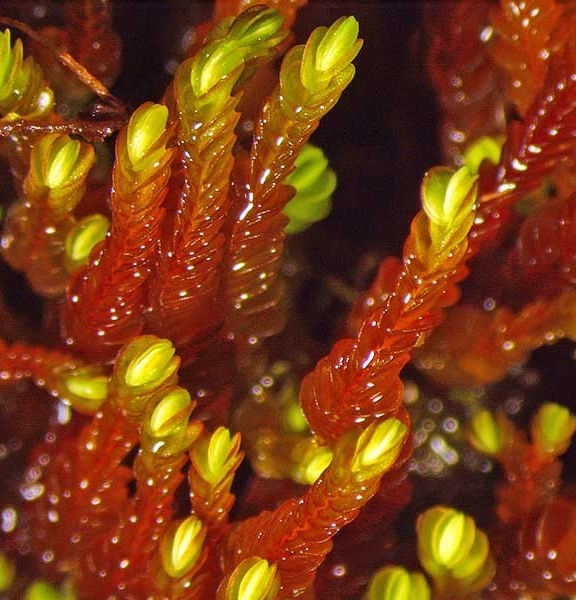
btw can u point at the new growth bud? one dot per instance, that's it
(151, 363)
(170, 412)
(253, 579)
(552, 429)
(22, 90)
(328, 54)
(216, 454)
(312, 461)
(7, 573)
(484, 148)
(182, 546)
(379, 445)
(487, 434)
(250, 35)
(448, 200)
(314, 182)
(85, 235)
(42, 590)
(59, 161)
(258, 27)
(144, 141)
(452, 550)
(88, 389)
(396, 583)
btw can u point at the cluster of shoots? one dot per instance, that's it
(191, 456)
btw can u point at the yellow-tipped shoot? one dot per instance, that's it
(378, 446)
(150, 362)
(314, 182)
(252, 34)
(87, 389)
(311, 461)
(22, 89)
(59, 161)
(484, 148)
(82, 239)
(253, 579)
(552, 429)
(448, 199)
(489, 434)
(328, 55)
(216, 455)
(396, 583)
(182, 546)
(146, 139)
(453, 551)
(7, 573)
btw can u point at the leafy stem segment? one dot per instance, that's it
(206, 91)
(312, 79)
(359, 381)
(107, 297)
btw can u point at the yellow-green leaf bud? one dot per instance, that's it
(379, 445)
(314, 460)
(258, 28)
(328, 54)
(59, 161)
(7, 57)
(314, 182)
(552, 429)
(170, 413)
(253, 579)
(221, 64)
(484, 148)
(85, 235)
(152, 363)
(182, 546)
(396, 583)
(452, 550)
(7, 573)
(216, 62)
(145, 129)
(22, 89)
(475, 560)
(445, 536)
(448, 200)
(88, 388)
(216, 454)
(42, 590)
(486, 433)
(294, 418)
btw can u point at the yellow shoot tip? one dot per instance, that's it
(379, 444)
(58, 161)
(87, 233)
(396, 583)
(170, 413)
(552, 429)
(88, 388)
(452, 550)
(486, 433)
(182, 546)
(314, 461)
(61, 162)
(152, 364)
(253, 579)
(448, 199)
(216, 454)
(145, 128)
(7, 573)
(328, 53)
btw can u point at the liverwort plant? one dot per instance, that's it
(200, 448)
